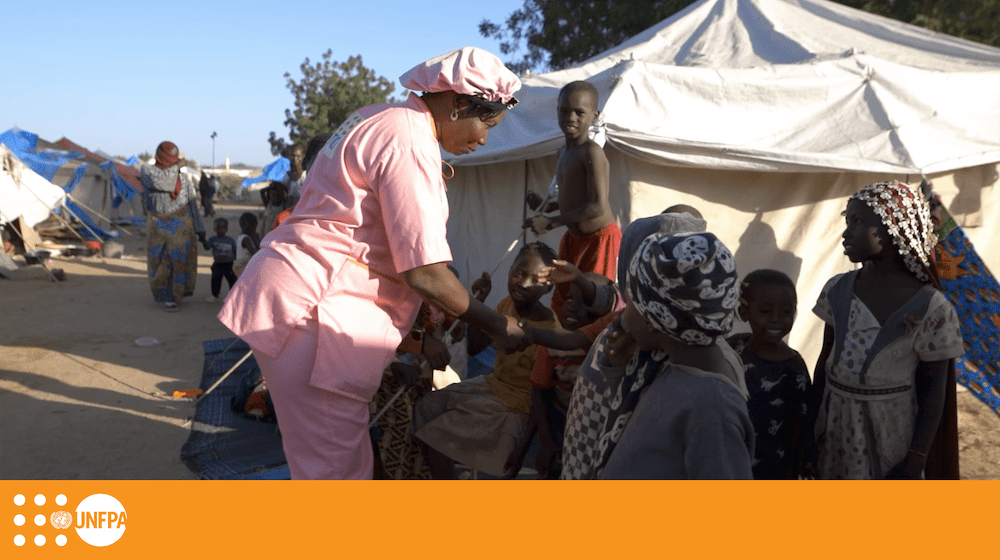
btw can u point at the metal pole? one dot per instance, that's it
(213, 150)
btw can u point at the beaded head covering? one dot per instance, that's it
(685, 286)
(906, 215)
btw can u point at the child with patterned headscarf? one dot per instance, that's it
(679, 406)
(883, 373)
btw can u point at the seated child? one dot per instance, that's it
(681, 411)
(398, 456)
(560, 353)
(478, 421)
(776, 375)
(247, 243)
(223, 250)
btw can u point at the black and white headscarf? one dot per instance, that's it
(685, 285)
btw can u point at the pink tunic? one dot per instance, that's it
(373, 205)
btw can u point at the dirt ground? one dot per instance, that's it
(79, 399)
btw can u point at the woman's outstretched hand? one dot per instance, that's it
(436, 352)
(406, 374)
(559, 272)
(514, 339)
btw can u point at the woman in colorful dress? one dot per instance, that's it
(174, 222)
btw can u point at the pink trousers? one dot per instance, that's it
(324, 435)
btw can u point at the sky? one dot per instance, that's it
(123, 76)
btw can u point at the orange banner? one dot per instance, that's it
(494, 519)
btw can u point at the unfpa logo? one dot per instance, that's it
(100, 520)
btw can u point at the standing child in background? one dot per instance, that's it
(247, 243)
(582, 175)
(207, 191)
(776, 375)
(884, 372)
(275, 205)
(296, 175)
(223, 250)
(478, 422)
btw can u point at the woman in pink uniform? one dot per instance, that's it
(333, 290)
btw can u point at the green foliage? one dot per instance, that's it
(975, 20)
(559, 33)
(328, 93)
(555, 34)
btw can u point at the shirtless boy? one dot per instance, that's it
(592, 237)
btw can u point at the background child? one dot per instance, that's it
(681, 409)
(477, 422)
(223, 250)
(582, 174)
(776, 376)
(275, 204)
(296, 174)
(884, 373)
(206, 189)
(247, 243)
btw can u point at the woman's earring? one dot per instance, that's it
(454, 113)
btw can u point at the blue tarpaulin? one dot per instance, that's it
(86, 219)
(123, 191)
(274, 171)
(18, 141)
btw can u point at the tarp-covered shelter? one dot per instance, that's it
(100, 190)
(765, 115)
(25, 194)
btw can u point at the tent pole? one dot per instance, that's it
(92, 232)
(524, 205)
(99, 215)
(62, 220)
(394, 398)
(223, 378)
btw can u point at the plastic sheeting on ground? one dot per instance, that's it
(225, 445)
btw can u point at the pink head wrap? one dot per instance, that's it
(469, 71)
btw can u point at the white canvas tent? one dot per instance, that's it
(766, 115)
(24, 193)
